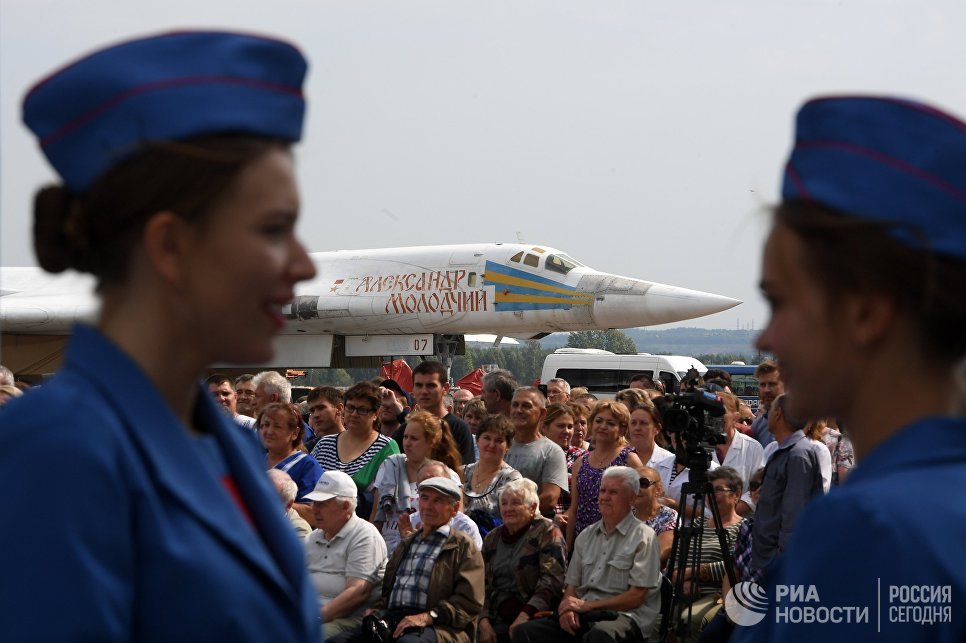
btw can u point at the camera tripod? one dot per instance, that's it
(686, 552)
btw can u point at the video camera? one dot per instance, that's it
(694, 420)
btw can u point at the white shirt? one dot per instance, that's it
(664, 467)
(824, 462)
(248, 422)
(746, 456)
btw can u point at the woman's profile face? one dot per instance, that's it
(806, 333)
(731, 415)
(580, 431)
(240, 265)
(647, 495)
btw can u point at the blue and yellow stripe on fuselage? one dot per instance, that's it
(519, 290)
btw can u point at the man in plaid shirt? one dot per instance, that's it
(433, 586)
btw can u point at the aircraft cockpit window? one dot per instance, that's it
(560, 263)
(517, 257)
(538, 250)
(532, 260)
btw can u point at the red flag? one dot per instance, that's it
(399, 371)
(473, 382)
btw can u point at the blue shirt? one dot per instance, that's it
(304, 470)
(759, 428)
(890, 541)
(131, 532)
(792, 478)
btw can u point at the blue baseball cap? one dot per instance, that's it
(98, 111)
(884, 159)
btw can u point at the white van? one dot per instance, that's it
(605, 373)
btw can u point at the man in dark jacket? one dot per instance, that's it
(442, 560)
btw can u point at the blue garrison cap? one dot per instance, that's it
(884, 159)
(97, 111)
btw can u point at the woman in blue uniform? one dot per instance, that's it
(155, 520)
(865, 273)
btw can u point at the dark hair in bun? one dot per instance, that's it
(52, 209)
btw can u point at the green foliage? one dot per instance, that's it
(334, 377)
(613, 340)
(727, 358)
(524, 362)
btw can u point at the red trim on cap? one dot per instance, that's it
(797, 180)
(129, 41)
(89, 115)
(885, 159)
(904, 102)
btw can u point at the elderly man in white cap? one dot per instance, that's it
(346, 555)
(433, 587)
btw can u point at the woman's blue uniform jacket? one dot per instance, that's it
(881, 558)
(114, 528)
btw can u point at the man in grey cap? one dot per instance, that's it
(346, 555)
(433, 587)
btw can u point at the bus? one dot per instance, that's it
(743, 381)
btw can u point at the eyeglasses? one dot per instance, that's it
(645, 483)
(723, 489)
(754, 486)
(358, 410)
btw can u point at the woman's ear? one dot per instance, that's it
(868, 317)
(165, 240)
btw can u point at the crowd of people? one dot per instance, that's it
(172, 531)
(544, 526)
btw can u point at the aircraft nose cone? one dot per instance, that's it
(656, 304)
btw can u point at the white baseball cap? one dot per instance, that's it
(332, 484)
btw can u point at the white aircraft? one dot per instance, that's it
(364, 305)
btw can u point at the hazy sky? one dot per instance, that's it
(644, 138)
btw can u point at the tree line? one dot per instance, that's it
(524, 361)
